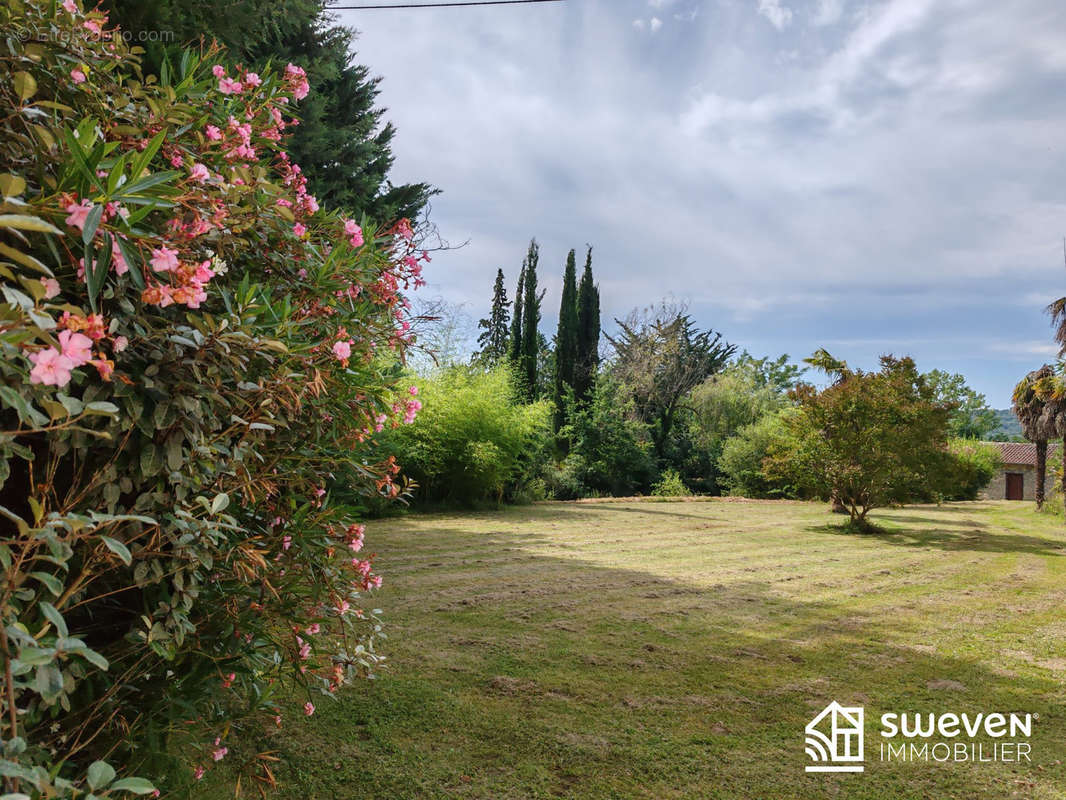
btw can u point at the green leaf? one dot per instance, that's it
(100, 775)
(118, 548)
(92, 222)
(25, 222)
(35, 656)
(147, 154)
(27, 413)
(220, 503)
(133, 260)
(52, 583)
(135, 785)
(138, 186)
(53, 616)
(94, 658)
(49, 682)
(11, 185)
(25, 85)
(101, 408)
(25, 259)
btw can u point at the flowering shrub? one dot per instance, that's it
(191, 347)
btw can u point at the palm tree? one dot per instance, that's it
(1038, 418)
(1051, 390)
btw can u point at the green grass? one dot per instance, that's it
(677, 649)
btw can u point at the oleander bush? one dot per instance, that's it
(192, 348)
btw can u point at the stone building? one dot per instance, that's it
(1016, 478)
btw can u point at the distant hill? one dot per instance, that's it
(1009, 427)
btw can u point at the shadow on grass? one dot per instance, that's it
(558, 677)
(907, 519)
(975, 539)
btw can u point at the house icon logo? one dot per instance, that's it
(834, 739)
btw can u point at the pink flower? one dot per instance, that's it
(199, 173)
(297, 80)
(77, 75)
(286, 542)
(50, 367)
(121, 267)
(413, 391)
(343, 607)
(299, 229)
(198, 773)
(204, 273)
(105, 367)
(92, 26)
(219, 753)
(164, 259)
(342, 350)
(70, 7)
(353, 232)
(251, 80)
(78, 212)
(309, 708)
(77, 347)
(218, 70)
(229, 86)
(119, 344)
(213, 133)
(314, 628)
(51, 287)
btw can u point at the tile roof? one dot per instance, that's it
(1021, 452)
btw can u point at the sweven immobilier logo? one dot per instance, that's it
(834, 738)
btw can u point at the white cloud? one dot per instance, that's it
(655, 24)
(827, 12)
(894, 178)
(780, 16)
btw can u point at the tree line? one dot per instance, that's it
(661, 405)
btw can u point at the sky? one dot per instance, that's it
(884, 176)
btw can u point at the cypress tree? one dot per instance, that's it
(494, 340)
(515, 352)
(530, 320)
(566, 340)
(588, 333)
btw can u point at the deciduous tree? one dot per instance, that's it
(869, 439)
(661, 356)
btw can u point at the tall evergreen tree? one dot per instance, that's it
(515, 352)
(343, 143)
(588, 333)
(566, 340)
(495, 339)
(530, 320)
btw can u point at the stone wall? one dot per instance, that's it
(997, 489)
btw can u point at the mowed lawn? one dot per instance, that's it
(677, 650)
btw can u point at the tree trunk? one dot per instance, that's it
(1041, 472)
(1063, 487)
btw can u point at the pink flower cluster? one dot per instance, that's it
(297, 81)
(353, 232)
(188, 281)
(52, 366)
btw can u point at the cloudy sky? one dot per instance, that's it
(867, 176)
